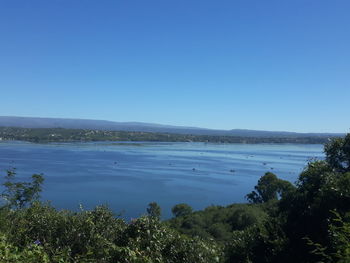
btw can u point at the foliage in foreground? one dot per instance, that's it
(218, 222)
(49, 235)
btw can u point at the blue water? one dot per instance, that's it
(128, 176)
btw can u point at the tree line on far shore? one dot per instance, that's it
(44, 135)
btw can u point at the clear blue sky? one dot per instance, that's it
(269, 65)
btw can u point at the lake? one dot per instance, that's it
(128, 176)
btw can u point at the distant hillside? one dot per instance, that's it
(44, 135)
(31, 122)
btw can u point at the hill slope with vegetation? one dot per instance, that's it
(43, 135)
(87, 124)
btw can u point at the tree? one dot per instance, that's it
(269, 187)
(181, 210)
(338, 153)
(339, 236)
(154, 210)
(323, 187)
(20, 194)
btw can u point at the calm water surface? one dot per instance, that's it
(128, 176)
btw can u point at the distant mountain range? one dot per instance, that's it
(32, 122)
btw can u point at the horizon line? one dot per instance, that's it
(172, 125)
